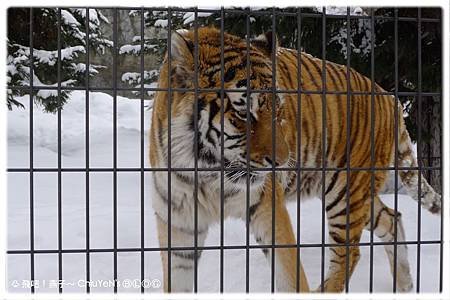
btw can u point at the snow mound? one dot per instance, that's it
(73, 120)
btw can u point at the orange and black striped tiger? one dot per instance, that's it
(248, 125)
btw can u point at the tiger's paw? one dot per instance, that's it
(404, 283)
(330, 286)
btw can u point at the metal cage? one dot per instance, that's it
(32, 252)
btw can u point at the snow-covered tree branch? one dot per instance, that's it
(45, 52)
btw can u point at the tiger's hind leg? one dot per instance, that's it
(342, 217)
(384, 229)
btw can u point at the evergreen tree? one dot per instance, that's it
(155, 44)
(45, 52)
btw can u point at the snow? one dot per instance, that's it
(50, 57)
(47, 93)
(128, 201)
(161, 23)
(137, 38)
(69, 19)
(131, 77)
(135, 77)
(94, 16)
(363, 29)
(74, 30)
(189, 17)
(341, 10)
(358, 11)
(73, 114)
(10, 68)
(37, 82)
(81, 68)
(135, 49)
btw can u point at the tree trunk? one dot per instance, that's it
(430, 144)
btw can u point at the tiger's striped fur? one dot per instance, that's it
(255, 109)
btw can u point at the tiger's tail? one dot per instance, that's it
(429, 198)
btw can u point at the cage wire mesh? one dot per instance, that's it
(46, 84)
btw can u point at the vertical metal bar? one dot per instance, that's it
(324, 137)
(274, 99)
(31, 155)
(222, 147)
(419, 141)
(169, 150)
(115, 48)
(394, 283)
(247, 157)
(441, 170)
(196, 141)
(299, 139)
(88, 261)
(348, 153)
(142, 155)
(429, 154)
(372, 141)
(59, 152)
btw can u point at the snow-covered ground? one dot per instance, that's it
(128, 197)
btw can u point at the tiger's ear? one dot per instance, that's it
(181, 55)
(181, 48)
(267, 43)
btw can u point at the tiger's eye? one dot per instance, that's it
(242, 114)
(229, 75)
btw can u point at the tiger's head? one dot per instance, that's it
(248, 117)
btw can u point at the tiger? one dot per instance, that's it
(228, 128)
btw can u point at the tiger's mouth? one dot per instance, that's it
(241, 178)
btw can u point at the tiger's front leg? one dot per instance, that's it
(182, 261)
(285, 258)
(182, 235)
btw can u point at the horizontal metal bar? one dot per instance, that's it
(269, 12)
(218, 169)
(225, 247)
(212, 90)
